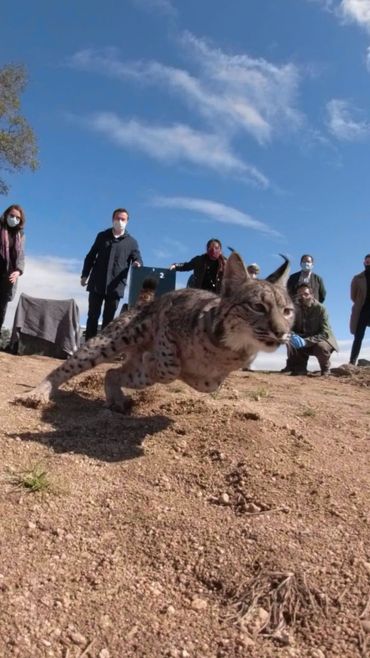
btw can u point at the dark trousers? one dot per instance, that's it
(297, 360)
(95, 303)
(3, 307)
(363, 322)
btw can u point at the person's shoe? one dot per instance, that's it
(286, 370)
(298, 373)
(326, 372)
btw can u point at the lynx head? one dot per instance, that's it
(254, 314)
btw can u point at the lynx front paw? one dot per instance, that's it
(123, 406)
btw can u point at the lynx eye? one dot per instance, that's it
(259, 308)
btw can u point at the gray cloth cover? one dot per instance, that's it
(54, 320)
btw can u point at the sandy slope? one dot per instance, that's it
(199, 526)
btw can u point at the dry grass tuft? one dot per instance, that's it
(273, 603)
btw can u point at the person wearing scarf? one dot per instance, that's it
(208, 268)
(12, 224)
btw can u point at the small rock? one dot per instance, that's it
(256, 621)
(78, 638)
(252, 508)
(170, 610)
(31, 525)
(198, 603)
(367, 566)
(365, 623)
(104, 653)
(224, 499)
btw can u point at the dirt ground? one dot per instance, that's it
(199, 526)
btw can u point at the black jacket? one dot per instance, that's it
(316, 284)
(200, 265)
(108, 262)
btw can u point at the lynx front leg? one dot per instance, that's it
(139, 374)
(132, 374)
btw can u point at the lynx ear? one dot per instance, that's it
(235, 274)
(280, 276)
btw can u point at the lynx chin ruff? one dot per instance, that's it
(192, 335)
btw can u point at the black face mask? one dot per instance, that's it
(367, 268)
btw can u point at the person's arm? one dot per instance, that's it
(291, 285)
(19, 265)
(354, 289)
(135, 257)
(90, 260)
(322, 290)
(184, 267)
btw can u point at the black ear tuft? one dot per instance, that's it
(280, 276)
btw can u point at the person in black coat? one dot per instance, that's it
(105, 270)
(208, 268)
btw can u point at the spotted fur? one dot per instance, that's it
(192, 335)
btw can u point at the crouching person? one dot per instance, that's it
(311, 334)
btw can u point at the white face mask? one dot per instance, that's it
(12, 221)
(119, 225)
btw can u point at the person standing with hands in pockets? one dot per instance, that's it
(106, 268)
(11, 254)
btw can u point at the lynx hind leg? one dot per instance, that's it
(114, 340)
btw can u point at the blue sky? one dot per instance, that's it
(246, 121)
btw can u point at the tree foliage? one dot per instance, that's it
(18, 147)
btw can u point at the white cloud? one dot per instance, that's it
(233, 92)
(342, 121)
(356, 11)
(176, 143)
(260, 89)
(348, 11)
(49, 277)
(215, 211)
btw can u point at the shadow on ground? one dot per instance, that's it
(83, 426)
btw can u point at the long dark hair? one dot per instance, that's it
(6, 212)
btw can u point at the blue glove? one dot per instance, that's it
(297, 341)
